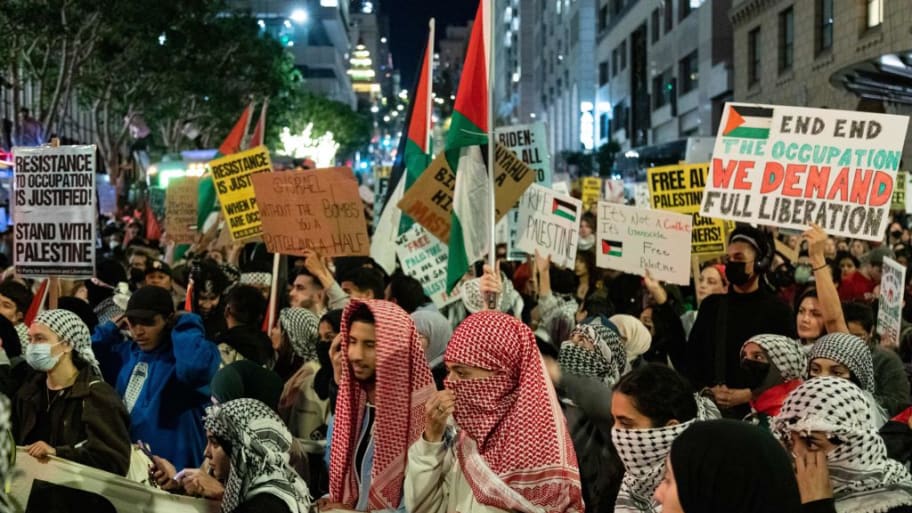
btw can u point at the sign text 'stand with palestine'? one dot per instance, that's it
(793, 166)
(54, 210)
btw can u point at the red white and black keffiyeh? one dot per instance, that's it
(513, 445)
(864, 479)
(403, 385)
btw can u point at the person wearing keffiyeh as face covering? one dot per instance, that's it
(248, 450)
(651, 406)
(65, 409)
(846, 356)
(775, 366)
(511, 450)
(841, 461)
(7, 455)
(384, 384)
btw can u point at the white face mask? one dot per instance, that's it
(114, 244)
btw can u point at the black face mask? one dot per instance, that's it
(756, 372)
(896, 235)
(782, 277)
(736, 273)
(137, 276)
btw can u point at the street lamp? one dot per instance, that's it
(299, 16)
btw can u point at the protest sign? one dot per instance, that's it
(899, 192)
(889, 311)
(157, 201)
(530, 144)
(679, 188)
(381, 187)
(54, 210)
(429, 201)
(549, 223)
(793, 166)
(590, 191)
(180, 209)
(636, 240)
(614, 192)
(107, 196)
(424, 258)
(317, 209)
(641, 195)
(561, 187)
(232, 176)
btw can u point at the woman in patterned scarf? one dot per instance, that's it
(840, 459)
(294, 339)
(248, 450)
(775, 366)
(512, 451)
(651, 406)
(846, 356)
(7, 455)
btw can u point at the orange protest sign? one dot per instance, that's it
(318, 209)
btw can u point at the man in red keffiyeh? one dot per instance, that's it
(512, 450)
(385, 383)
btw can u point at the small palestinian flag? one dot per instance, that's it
(613, 248)
(564, 209)
(748, 122)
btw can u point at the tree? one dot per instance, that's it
(350, 129)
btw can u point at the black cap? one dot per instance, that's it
(157, 266)
(147, 302)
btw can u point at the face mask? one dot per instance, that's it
(579, 361)
(38, 356)
(782, 277)
(736, 274)
(756, 372)
(802, 274)
(137, 275)
(896, 234)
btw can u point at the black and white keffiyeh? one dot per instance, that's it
(785, 353)
(7, 454)
(302, 328)
(257, 279)
(850, 351)
(864, 479)
(474, 301)
(643, 453)
(71, 330)
(606, 360)
(260, 445)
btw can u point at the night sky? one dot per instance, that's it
(409, 24)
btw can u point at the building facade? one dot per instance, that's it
(664, 69)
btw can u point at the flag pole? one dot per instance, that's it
(430, 100)
(490, 33)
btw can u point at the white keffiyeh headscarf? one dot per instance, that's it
(257, 279)
(785, 353)
(864, 479)
(643, 453)
(634, 334)
(70, 329)
(259, 454)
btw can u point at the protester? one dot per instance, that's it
(245, 309)
(651, 406)
(556, 305)
(246, 379)
(510, 431)
(15, 300)
(207, 297)
(840, 460)
(775, 366)
(702, 476)
(294, 339)
(663, 322)
(384, 383)
(434, 333)
(64, 408)
(587, 227)
(712, 281)
(162, 371)
(109, 275)
(158, 274)
(634, 335)
(7, 456)
(248, 450)
(726, 321)
(254, 276)
(846, 356)
(587, 275)
(324, 383)
(408, 293)
(307, 292)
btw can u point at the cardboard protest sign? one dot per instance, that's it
(530, 144)
(636, 240)
(429, 201)
(679, 188)
(899, 192)
(614, 191)
(317, 209)
(180, 209)
(424, 258)
(590, 191)
(793, 166)
(889, 311)
(232, 176)
(54, 210)
(549, 223)
(157, 201)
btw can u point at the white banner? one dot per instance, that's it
(549, 222)
(424, 258)
(889, 311)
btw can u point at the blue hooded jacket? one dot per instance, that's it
(168, 413)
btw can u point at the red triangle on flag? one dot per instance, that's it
(734, 121)
(232, 143)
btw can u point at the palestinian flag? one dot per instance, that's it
(468, 133)
(613, 248)
(232, 144)
(564, 209)
(415, 158)
(748, 122)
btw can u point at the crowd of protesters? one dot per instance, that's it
(764, 386)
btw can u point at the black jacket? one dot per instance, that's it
(88, 422)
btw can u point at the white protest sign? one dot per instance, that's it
(424, 258)
(54, 211)
(549, 223)
(561, 188)
(614, 191)
(530, 144)
(636, 240)
(793, 166)
(641, 194)
(889, 312)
